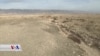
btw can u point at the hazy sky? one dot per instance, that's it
(84, 5)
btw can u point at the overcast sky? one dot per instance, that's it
(84, 5)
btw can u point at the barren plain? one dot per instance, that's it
(51, 34)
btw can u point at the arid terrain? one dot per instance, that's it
(51, 34)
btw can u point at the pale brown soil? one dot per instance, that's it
(51, 35)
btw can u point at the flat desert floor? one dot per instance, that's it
(51, 34)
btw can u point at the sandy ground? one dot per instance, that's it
(39, 36)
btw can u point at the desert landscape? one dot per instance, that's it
(54, 34)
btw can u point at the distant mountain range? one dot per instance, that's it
(30, 11)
